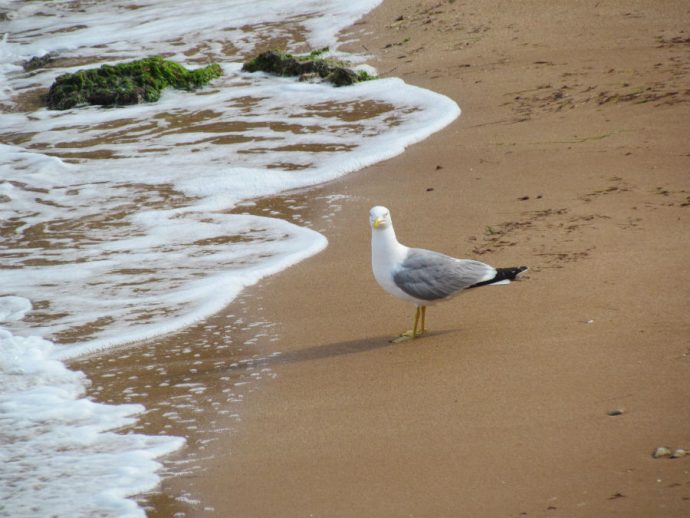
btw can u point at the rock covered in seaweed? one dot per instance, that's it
(306, 67)
(127, 83)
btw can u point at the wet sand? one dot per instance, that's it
(571, 156)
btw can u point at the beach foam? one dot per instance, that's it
(121, 30)
(59, 452)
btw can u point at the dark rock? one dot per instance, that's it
(37, 62)
(341, 76)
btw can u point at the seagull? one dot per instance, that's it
(421, 276)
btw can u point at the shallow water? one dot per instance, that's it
(124, 224)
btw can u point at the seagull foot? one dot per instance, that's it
(407, 335)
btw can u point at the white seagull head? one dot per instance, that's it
(380, 218)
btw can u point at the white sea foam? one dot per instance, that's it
(116, 224)
(121, 29)
(179, 22)
(59, 453)
(13, 308)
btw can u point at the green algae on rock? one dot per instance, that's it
(127, 83)
(306, 66)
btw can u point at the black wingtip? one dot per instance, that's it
(502, 275)
(519, 270)
(508, 274)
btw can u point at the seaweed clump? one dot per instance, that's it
(307, 66)
(127, 83)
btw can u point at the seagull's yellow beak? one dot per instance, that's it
(377, 223)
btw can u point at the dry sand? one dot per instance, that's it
(571, 156)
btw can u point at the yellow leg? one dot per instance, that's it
(417, 314)
(423, 320)
(417, 329)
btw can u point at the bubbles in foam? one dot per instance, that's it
(192, 32)
(13, 308)
(59, 453)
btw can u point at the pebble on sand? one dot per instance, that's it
(660, 452)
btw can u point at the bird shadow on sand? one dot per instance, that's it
(334, 350)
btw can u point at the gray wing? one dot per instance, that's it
(429, 275)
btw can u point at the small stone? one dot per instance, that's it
(615, 412)
(341, 76)
(660, 452)
(678, 453)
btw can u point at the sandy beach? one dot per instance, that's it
(571, 157)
